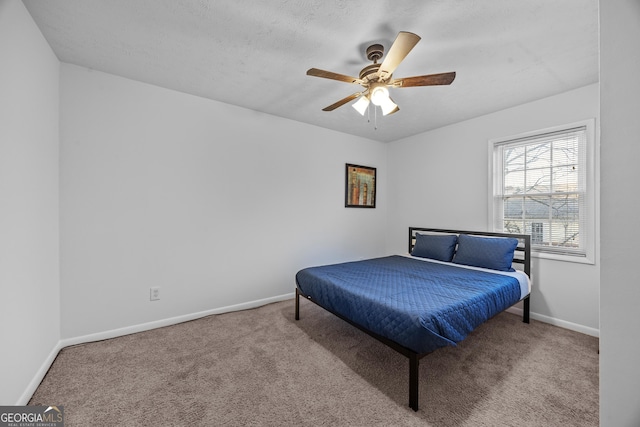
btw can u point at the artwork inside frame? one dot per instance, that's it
(360, 186)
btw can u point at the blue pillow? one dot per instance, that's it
(435, 247)
(495, 253)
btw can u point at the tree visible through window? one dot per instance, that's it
(540, 188)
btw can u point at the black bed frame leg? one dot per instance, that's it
(414, 371)
(526, 309)
(297, 304)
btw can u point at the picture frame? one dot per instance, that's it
(360, 186)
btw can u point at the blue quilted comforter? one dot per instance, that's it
(418, 304)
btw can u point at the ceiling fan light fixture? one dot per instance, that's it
(380, 95)
(361, 105)
(388, 106)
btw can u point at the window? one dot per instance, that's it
(543, 185)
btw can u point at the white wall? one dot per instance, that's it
(29, 272)
(620, 290)
(440, 179)
(215, 204)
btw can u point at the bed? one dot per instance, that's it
(448, 284)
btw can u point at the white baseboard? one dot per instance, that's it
(557, 322)
(171, 321)
(37, 379)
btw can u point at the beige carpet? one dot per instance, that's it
(261, 367)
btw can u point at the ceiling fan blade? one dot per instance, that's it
(342, 102)
(400, 48)
(333, 76)
(428, 80)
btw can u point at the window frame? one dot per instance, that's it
(591, 190)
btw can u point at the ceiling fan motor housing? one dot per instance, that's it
(375, 52)
(369, 70)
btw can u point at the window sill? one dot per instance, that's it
(561, 257)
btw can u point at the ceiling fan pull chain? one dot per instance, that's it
(375, 118)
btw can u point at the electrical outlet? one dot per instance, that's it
(154, 294)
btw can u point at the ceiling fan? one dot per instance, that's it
(376, 79)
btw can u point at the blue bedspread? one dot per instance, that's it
(420, 305)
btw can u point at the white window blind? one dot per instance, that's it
(541, 187)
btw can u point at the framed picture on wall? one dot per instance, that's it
(360, 186)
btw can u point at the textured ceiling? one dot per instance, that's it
(255, 53)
